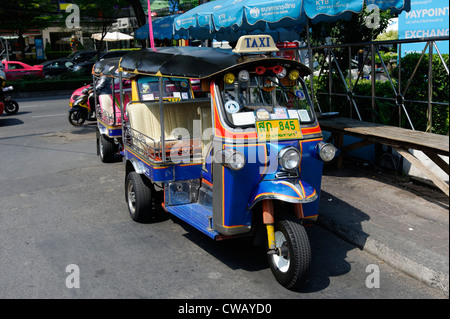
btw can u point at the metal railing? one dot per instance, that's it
(371, 50)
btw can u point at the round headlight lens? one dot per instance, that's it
(230, 158)
(229, 78)
(243, 76)
(327, 151)
(236, 161)
(289, 158)
(293, 75)
(282, 73)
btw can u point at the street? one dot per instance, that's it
(63, 213)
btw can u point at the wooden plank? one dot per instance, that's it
(388, 135)
(438, 161)
(429, 173)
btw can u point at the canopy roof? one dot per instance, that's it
(109, 68)
(112, 36)
(194, 62)
(215, 19)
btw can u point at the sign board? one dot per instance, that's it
(273, 130)
(427, 18)
(39, 49)
(255, 43)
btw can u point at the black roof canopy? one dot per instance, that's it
(192, 62)
(109, 67)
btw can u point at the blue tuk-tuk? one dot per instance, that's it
(246, 159)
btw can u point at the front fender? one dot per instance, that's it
(292, 191)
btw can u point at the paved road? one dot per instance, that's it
(60, 206)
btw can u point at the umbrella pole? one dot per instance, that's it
(150, 26)
(311, 65)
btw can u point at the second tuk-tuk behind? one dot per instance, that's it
(246, 160)
(108, 106)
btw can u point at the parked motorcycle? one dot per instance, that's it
(10, 106)
(80, 106)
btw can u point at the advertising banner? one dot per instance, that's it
(427, 18)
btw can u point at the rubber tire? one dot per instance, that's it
(11, 107)
(107, 149)
(299, 253)
(139, 197)
(72, 119)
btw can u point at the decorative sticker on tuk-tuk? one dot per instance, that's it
(232, 107)
(286, 129)
(300, 95)
(280, 113)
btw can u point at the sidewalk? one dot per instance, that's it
(404, 224)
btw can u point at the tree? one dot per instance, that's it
(101, 14)
(362, 27)
(138, 11)
(18, 16)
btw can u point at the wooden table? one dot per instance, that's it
(401, 139)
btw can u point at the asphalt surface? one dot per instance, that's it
(402, 222)
(53, 191)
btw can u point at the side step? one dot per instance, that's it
(196, 215)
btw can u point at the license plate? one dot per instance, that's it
(286, 129)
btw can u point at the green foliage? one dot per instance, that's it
(391, 35)
(386, 111)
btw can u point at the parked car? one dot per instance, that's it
(86, 67)
(59, 66)
(56, 67)
(15, 70)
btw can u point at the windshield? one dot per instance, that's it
(266, 98)
(175, 89)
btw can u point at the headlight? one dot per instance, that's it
(280, 72)
(289, 158)
(243, 76)
(294, 74)
(326, 151)
(229, 78)
(231, 158)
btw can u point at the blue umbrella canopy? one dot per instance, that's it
(213, 18)
(162, 29)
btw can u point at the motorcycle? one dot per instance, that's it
(80, 106)
(11, 107)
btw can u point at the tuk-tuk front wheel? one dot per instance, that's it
(290, 264)
(138, 196)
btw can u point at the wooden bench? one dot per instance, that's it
(401, 139)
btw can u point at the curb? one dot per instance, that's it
(396, 259)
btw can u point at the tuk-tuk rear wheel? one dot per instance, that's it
(139, 197)
(106, 149)
(291, 265)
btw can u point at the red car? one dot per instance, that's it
(16, 70)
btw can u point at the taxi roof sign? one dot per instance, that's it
(255, 43)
